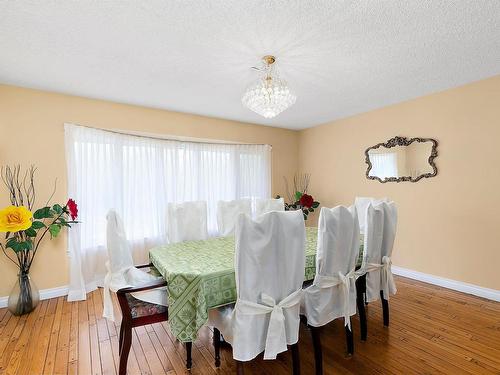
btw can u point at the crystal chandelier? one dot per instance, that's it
(270, 95)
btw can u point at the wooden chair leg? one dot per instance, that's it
(385, 309)
(360, 301)
(239, 368)
(189, 361)
(318, 355)
(295, 358)
(217, 347)
(125, 348)
(349, 340)
(120, 339)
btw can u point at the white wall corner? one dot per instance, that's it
(475, 290)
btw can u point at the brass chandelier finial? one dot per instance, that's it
(269, 59)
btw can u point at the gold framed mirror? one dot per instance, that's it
(402, 159)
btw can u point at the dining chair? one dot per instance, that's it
(269, 272)
(142, 296)
(227, 213)
(187, 221)
(263, 206)
(333, 292)
(361, 204)
(375, 280)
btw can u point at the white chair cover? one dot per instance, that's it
(333, 293)
(263, 206)
(187, 221)
(227, 213)
(361, 204)
(269, 270)
(121, 270)
(381, 222)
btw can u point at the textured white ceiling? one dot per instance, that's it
(340, 57)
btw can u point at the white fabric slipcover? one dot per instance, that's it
(333, 293)
(381, 223)
(227, 213)
(269, 271)
(187, 221)
(263, 206)
(121, 270)
(361, 204)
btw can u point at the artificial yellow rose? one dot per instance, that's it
(15, 219)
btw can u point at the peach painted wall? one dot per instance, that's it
(31, 131)
(449, 225)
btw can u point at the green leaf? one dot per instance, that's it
(298, 195)
(54, 230)
(27, 245)
(311, 209)
(315, 204)
(43, 213)
(16, 246)
(37, 225)
(57, 209)
(30, 232)
(11, 243)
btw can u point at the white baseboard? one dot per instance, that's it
(44, 294)
(479, 291)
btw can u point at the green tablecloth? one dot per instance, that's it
(200, 276)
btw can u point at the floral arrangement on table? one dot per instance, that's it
(25, 229)
(300, 200)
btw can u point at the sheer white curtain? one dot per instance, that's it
(138, 176)
(384, 165)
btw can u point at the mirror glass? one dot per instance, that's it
(401, 162)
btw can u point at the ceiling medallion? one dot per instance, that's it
(270, 95)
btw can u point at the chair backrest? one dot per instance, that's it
(338, 241)
(119, 251)
(390, 224)
(361, 204)
(374, 234)
(187, 221)
(269, 260)
(263, 206)
(372, 256)
(227, 213)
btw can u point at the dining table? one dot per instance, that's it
(200, 276)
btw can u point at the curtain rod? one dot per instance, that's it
(133, 133)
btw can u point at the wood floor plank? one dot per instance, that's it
(84, 355)
(73, 340)
(95, 351)
(432, 331)
(54, 336)
(33, 341)
(9, 348)
(12, 363)
(40, 354)
(61, 361)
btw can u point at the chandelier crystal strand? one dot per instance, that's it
(270, 95)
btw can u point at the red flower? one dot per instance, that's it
(306, 200)
(72, 208)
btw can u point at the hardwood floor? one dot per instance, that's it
(432, 331)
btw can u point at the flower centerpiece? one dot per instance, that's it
(300, 200)
(25, 229)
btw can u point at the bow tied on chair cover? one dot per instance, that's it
(387, 279)
(276, 333)
(344, 281)
(388, 284)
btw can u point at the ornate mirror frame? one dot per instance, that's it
(403, 141)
